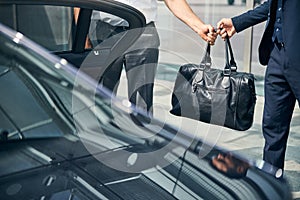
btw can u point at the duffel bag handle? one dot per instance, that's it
(206, 60)
(230, 65)
(205, 63)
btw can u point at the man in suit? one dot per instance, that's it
(279, 50)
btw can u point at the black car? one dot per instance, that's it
(64, 137)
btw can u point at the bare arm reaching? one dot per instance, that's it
(182, 10)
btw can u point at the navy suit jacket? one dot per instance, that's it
(291, 29)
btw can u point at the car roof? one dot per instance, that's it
(111, 6)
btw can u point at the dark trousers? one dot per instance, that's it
(278, 109)
(140, 63)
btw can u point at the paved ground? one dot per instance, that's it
(180, 45)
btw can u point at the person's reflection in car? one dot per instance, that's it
(229, 165)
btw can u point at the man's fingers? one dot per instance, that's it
(211, 40)
(223, 31)
(219, 25)
(211, 29)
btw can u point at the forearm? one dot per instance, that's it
(182, 10)
(251, 17)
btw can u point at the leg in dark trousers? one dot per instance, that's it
(141, 68)
(111, 77)
(278, 109)
(141, 64)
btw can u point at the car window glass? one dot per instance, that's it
(50, 26)
(25, 112)
(54, 27)
(22, 116)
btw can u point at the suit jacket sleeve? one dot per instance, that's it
(251, 17)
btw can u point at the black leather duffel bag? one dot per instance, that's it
(223, 97)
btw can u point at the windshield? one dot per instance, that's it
(36, 93)
(45, 97)
(25, 109)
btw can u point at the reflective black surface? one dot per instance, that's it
(63, 137)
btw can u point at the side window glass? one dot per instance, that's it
(49, 26)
